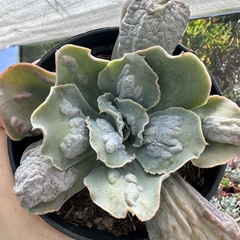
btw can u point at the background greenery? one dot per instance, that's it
(216, 41)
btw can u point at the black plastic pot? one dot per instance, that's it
(101, 42)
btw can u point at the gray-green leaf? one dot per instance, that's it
(217, 153)
(24, 87)
(108, 144)
(76, 65)
(131, 78)
(172, 138)
(126, 189)
(151, 23)
(183, 79)
(67, 106)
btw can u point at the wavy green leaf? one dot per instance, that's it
(108, 144)
(131, 78)
(134, 190)
(76, 65)
(183, 79)
(24, 87)
(172, 138)
(218, 153)
(69, 135)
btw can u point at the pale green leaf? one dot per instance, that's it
(218, 153)
(172, 138)
(183, 79)
(127, 189)
(61, 119)
(76, 65)
(108, 144)
(24, 87)
(218, 106)
(131, 78)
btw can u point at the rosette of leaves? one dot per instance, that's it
(230, 205)
(116, 110)
(128, 119)
(123, 125)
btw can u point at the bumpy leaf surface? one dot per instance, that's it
(71, 144)
(151, 23)
(83, 168)
(126, 189)
(188, 215)
(76, 65)
(24, 87)
(183, 79)
(108, 144)
(131, 78)
(37, 180)
(219, 149)
(166, 140)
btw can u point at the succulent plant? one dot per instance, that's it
(216, 202)
(226, 182)
(118, 127)
(230, 205)
(234, 175)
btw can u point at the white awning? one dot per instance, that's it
(32, 21)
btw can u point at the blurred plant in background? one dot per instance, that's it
(216, 41)
(229, 202)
